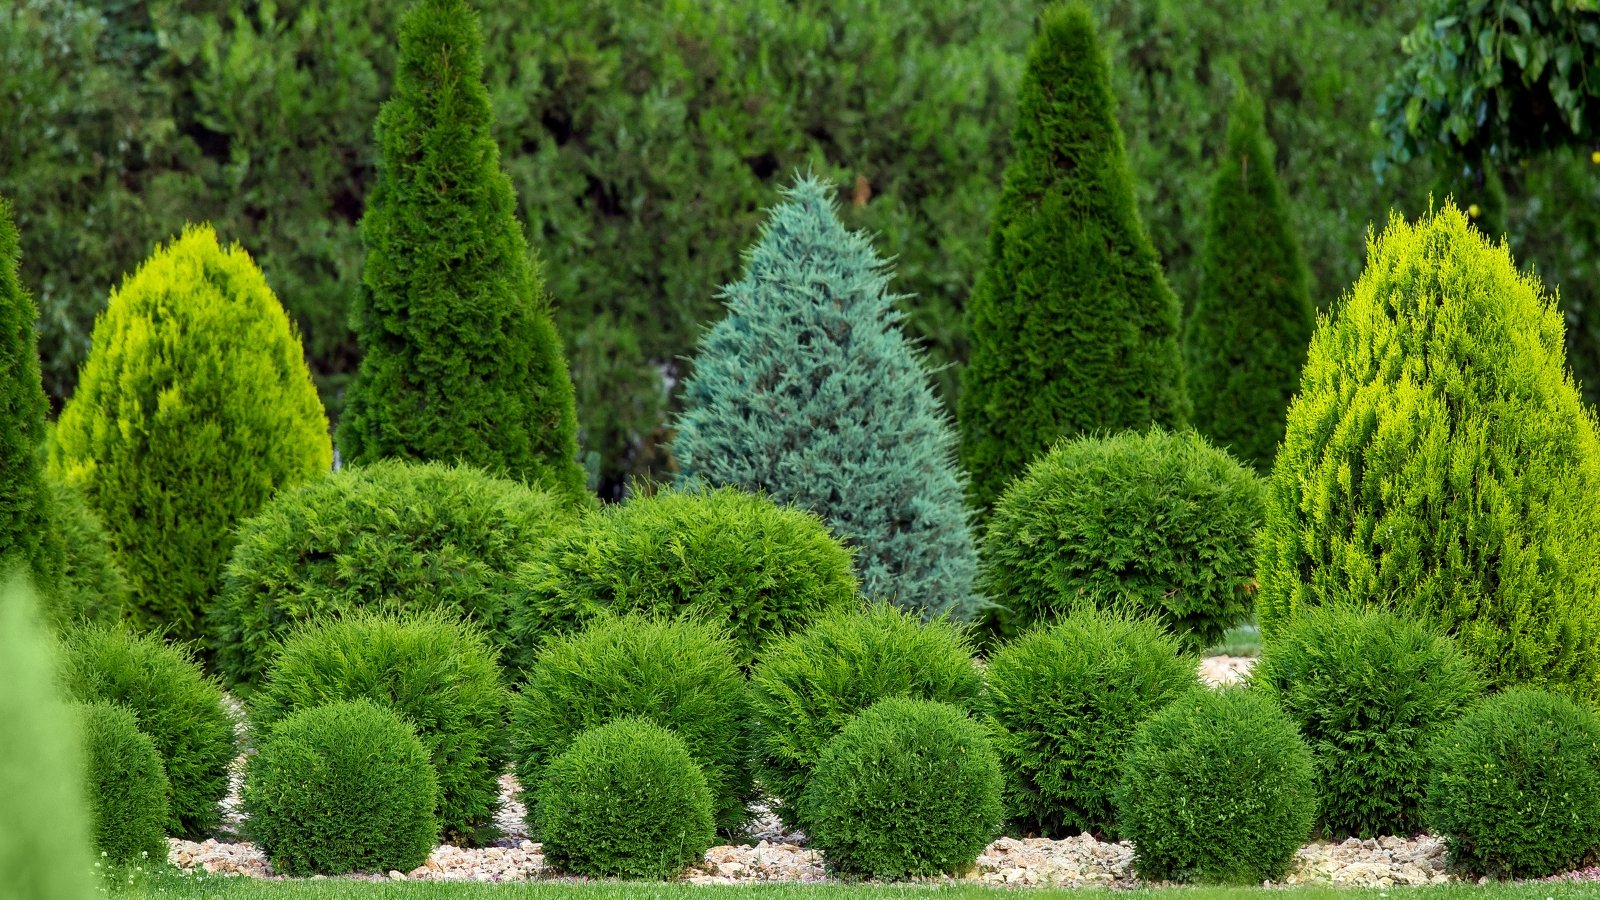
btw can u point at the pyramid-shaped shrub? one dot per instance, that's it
(24, 503)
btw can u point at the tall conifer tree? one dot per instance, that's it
(23, 509)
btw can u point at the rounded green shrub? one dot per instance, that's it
(1216, 787)
(127, 786)
(810, 684)
(1063, 702)
(1161, 521)
(1515, 785)
(177, 705)
(437, 673)
(1368, 690)
(908, 787)
(392, 535)
(345, 787)
(680, 674)
(193, 407)
(625, 799)
(734, 559)
(90, 588)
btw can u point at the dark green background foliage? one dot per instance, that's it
(392, 535)
(126, 786)
(90, 587)
(23, 502)
(680, 674)
(1063, 702)
(1159, 520)
(340, 788)
(1515, 785)
(808, 685)
(808, 390)
(1218, 788)
(908, 787)
(177, 706)
(436, 672)
(1439, 461)
(625, 799)
(1368, 690)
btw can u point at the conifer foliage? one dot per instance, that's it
(22, 410)
(462, 362)
(810, 392)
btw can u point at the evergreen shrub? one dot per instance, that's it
(23, 499)
(90, 587)
(127, 786)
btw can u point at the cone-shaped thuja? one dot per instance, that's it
(22, 411)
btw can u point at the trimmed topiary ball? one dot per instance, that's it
(1160, 520)
(1217, 787)
(1064, 701)
(127, 786)
(439, 674)
(342, 788)
(1369, 690)
(625, 799)
(680, 674)
(1515, 785)
(908, 787)
(177, 705)
(90, 587)
(810, 684)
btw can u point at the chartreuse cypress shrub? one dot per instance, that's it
(1440, 462)
(1161, 521)
(438, 673)
(177, 705)
(345, 787)
(461, 360)
(1072, 326)
(391, 535)
(127, 786)
(194, 407)
(1217, 787)
(1062, 703)
(809, 390)
(808, 685)
(23, 500)
(1247, 332)
(1369, 691)
(680, 674)
(90, 587)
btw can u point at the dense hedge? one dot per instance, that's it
(89, 587)
(126, 786)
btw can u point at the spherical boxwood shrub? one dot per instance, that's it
(1515, 785)
(732, 558)
(392, 535)
(1063, 701)
(127, 785)
(90, 587)
(1217, 788)
(177, 705)
(908, 787)
(625, 799)
(1368, 690)
(342, 788)
(437, 673)
(678, 673)
(1159, 520)
(810, 684)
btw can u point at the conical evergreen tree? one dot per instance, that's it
(23, 509)
(1249, 329)
(1072, 326)
(462, 362)
(810, 392)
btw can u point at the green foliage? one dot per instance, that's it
(1439, 462)
(908, 787)
(461, 362)
(438, 674)
(1515, 785)
(809, 391)
(808, 685)
(679, 674)
(1161, 521)
(1063, 702)
(89, 588)
(345, 787)
(1368, 690)
(23, 501)
(177, 706)
(1217, 788)
(127, 786)
(737, 560)
(193, 407)
(392, 535)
